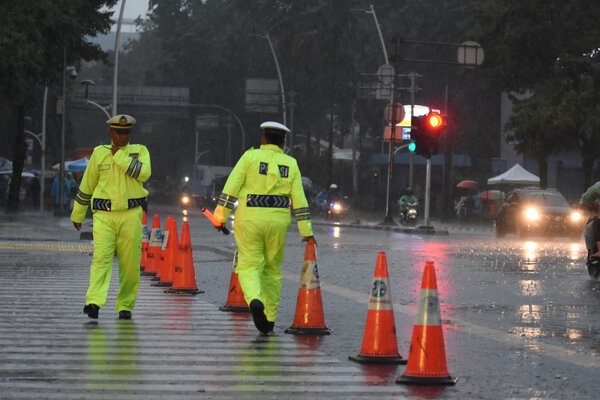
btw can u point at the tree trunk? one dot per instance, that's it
(543, 172)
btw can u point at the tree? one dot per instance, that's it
(538, 47)
(542, 124)
(34, 37)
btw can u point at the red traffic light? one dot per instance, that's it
(434, 121)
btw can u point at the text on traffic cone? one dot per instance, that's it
(153, 247)
(168, 253)
(427, 355)
(184, 274)
(235, 296)
(145, 242)
(309, 318)
(380, 345)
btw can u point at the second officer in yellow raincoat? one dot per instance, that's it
(112, 186)
(268, 185)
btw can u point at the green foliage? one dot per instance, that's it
(544, 48)
(35, 36)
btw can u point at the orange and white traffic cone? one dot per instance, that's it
(235, 297)
(427, 355)
(309, 318)
(168, 253)
(380, 345)
(184, 274)
(153, 247)
(145, 241)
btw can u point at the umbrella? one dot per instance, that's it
(74, 165)
(467, 184)
(77, 165)
(491, 195)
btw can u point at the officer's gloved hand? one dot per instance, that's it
(310, 239)
(222, 228)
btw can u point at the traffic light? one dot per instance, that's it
(412, 146)
(426, 130)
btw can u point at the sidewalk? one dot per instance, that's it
(176, 346)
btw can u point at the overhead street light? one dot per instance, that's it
(86, 101)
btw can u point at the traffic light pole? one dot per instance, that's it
(427, 194)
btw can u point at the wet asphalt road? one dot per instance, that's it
(519, 318)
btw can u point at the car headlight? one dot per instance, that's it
(532, 214)
(185, 200)
(576, 216)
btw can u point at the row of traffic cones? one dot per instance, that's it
(168, 259)
(426, 364)
(171, 262)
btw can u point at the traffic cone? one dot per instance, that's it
(153, 247)
(145, 241)
(184, 275)
(235, 297)
(380, 345)
(427, 355)
(168, 254)
(309, 319)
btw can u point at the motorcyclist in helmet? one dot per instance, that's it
(333, 193)
(407, 198)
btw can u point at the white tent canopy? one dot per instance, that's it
(517, 175)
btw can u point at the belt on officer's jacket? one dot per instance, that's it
(105, 204)
(265, 200)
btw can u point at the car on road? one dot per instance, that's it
(532, 211)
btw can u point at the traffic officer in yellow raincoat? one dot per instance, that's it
(268, 184)
(112, 186)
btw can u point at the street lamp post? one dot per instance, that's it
(86, 101)
(230, 113)
(116, 65)
(283, 111)
(41, 138)
(61, 170)
(379, 32)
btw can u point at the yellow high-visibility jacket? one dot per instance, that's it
(267, 183)
(113, 182)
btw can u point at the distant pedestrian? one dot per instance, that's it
(56, 192)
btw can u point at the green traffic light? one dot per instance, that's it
(412, 146)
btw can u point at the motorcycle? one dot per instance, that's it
(409, 215)
(334, 210)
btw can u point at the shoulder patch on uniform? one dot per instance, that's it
(263, 168)
(134, 155)
(284, 171)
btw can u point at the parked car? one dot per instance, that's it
(538, 212)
